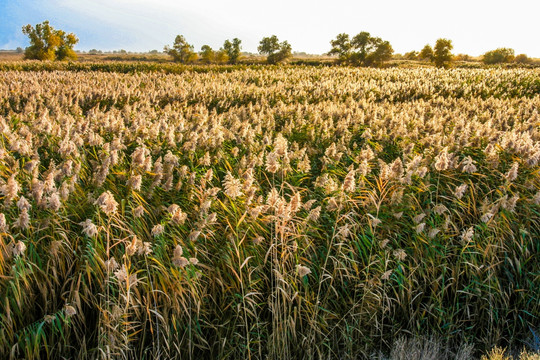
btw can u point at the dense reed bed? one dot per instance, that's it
(276, 212)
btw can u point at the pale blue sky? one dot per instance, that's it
(474, 26)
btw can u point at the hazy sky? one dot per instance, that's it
(474, 26)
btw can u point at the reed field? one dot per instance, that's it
(268, 212)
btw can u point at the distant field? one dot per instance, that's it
(10, 56)
(475, 62)
(158, 58)
(268, 212)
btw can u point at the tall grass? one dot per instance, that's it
(289, 212)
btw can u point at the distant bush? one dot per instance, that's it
(412, 55)
(522, 59)
(462, 57)
(207, 54)
(498, 56)
(426, 53)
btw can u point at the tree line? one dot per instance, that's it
(183, 52)
(363, 49)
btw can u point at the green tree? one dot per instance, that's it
(285, 52)
(442, 56)
(207, 54)
(232, 49)
(268, 45)
(426, 53)
(382, 52)
(341, 47)
(498, 56)
(275, 51)
(47, 43)
(181, 51)
(363, 49)
(363, 43)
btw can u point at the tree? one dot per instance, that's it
(498, 56)
(341, 47)
(232, 49)
(285, 52)
(268, 45)
(383, 52)
(275, 51)
(426, 53)
(65, 50)
(181, 51)
(442, 55)
(364, 44)
(47, 43)
(363, 49)
(207, 54)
